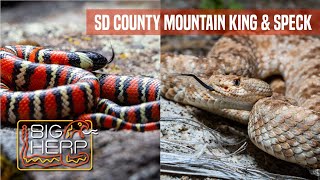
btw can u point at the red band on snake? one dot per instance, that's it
(30, 90)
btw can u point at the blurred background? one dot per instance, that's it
(200, 45)
(240, 4)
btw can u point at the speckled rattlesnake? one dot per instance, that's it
(287, 127)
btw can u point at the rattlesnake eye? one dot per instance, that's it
(236, 82)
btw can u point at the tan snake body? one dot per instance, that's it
(287, 127)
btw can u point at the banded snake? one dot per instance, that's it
(38, 83)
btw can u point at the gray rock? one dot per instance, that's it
(118, 155)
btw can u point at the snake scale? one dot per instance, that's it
(283, 119)
(38, 83)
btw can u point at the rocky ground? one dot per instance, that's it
(61, 25)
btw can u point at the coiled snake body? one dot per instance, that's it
(287, 127)
(57, 90)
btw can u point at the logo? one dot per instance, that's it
(54, 144)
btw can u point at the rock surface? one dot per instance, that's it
(118, 155)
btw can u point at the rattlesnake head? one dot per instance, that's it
(239, 89)
(232, 92)
(219, 91)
